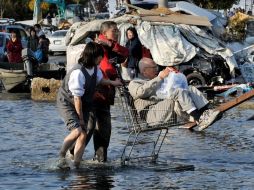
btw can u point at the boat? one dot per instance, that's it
(17, 77)
(12, 75)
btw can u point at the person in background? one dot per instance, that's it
(49, 19)
(135, 52)
(100, 123)
(184, 102)
(33, 40)
(230, 13)
(38, 30)
(14, 49)
(44, 47)
(74, 100)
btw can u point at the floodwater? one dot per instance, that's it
(220, 157)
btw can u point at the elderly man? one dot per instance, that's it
(182, 101)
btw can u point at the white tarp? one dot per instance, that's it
(247, 70)
(80, 31)
(168, 47)
(209, 43)
(73, 54)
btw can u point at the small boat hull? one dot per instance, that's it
(12, 78)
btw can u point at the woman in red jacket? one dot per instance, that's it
(14, 48)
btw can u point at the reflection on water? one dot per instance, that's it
(91, 180)
(220, 157)
(14, 96)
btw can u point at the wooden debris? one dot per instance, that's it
(157, 12)
(163, 10)
(179, 19)
(228, 105)
(251, 118)
(168, 16)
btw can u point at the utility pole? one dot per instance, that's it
(128, 2)
(251, 7)
(162, 3)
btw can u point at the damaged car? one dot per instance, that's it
(205, 69)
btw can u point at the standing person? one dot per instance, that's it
(14, 49)
(74, 99)
(38, 30)
(33, 40)
(100, 123)
(43, 47)
(135, 52)
(49, 18)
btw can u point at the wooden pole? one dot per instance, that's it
(251, 118)
(162, 3)
(127, 2)
(228, 105)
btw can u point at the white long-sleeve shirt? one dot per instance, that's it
(77, 81)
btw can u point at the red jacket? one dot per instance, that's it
(105, 94)
(107, 68)
(14, 51)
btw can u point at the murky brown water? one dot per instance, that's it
(220, 157)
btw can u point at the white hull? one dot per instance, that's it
(12, 78)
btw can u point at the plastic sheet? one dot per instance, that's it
(170, 83)
(247, 70)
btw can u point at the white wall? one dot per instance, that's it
(244, 4)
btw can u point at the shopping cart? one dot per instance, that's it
(145, 139)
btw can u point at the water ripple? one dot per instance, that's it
(220, 157)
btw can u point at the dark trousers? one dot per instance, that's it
(99, 125)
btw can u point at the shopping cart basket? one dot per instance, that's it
(145, 139)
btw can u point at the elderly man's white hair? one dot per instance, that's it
(144, 62)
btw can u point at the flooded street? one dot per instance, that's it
(220, 157)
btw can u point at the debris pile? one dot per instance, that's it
(44, 89)
(236, 27)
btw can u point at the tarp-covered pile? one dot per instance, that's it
(170, 44)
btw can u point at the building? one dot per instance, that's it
(247, 5)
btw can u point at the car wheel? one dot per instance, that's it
(196, 79)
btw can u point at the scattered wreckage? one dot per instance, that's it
(202, 57)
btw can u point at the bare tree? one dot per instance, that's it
(3, 7)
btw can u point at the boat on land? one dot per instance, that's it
(16, 77)
(12, 75)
